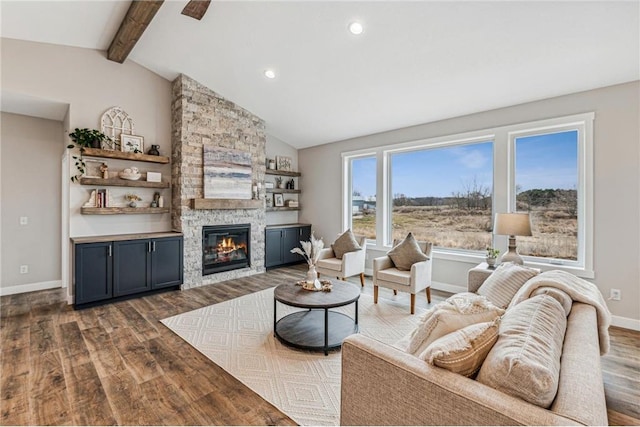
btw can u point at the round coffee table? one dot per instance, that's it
(317, 328)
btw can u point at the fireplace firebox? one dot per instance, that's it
(225, 247)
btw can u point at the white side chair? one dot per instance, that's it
(352, 263)
(385, 274)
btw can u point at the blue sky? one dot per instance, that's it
(547, 161)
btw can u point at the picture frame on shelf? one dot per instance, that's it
(92, 168)
(132, 143)
(269, 201)
(283, 163)
(269, 185)
(278, 200)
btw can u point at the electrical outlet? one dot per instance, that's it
(615, 295)
(24, 220)
(24, 269)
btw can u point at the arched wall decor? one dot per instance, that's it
(115, 122)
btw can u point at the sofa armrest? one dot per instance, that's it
(420, 276)
(382, 385)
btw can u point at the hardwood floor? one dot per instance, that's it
(116, 364)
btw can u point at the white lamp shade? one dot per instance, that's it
(512, 224)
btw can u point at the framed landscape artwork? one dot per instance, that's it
(283, 163)
(227, 173)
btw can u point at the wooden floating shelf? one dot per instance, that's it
(123, 183)
(282, 208)
(226, 204)
(113, 154)
(126, 211)
(283, 173)
(283, 190)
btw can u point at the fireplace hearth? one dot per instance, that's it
(225, 247)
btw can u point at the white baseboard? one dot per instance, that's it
(454, 289)
(625, 322)
(30, 287)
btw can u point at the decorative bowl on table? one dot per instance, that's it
(129, 175)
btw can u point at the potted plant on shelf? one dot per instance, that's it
(132, 198)
(84, 138)
(492, 255)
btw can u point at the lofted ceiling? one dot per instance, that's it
(416, 62)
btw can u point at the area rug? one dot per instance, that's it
(238, 336)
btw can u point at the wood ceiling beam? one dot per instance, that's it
(196, 8)
(138, 17)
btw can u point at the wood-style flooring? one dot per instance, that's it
(117, 364)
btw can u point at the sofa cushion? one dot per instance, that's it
(525, 361)
(502, 284)
(346, 242)
(406, 253)
(394, 275)
(455, 313)
(464, 350)
(330, 264)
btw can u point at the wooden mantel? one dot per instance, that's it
(226, 204)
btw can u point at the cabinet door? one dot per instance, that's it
(305, 233)
(273, 247)
(131, 265)
(291, 239)
(93, 272)
(166, 262)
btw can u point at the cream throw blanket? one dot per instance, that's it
(579, 290)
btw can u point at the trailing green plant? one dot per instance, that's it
(492, 253)
(82, 139)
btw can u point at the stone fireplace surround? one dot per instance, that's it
(201, 116)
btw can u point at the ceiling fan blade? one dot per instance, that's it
(196, 8)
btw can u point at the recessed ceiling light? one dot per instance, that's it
(356, 28)
(270, 74)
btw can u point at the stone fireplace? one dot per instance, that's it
(201, 116)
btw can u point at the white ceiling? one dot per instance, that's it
(415, 63)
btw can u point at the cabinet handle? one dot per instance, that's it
(109, 251)
(148, 246)
(153, 246)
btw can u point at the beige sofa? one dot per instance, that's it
(382, 385)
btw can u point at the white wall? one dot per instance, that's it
(617, 182)
(276, 147)
(91, 84)
(30, 171)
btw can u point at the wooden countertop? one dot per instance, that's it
(118, 237)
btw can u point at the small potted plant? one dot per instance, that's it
(84, 138)
(492, 255)
(132, 198)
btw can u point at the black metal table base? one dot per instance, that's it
(316, 329)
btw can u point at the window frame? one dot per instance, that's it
(503, 196)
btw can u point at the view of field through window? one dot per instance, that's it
(444, 194)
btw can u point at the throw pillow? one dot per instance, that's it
(463, 351)
(406, 253)
(502, 285)
(345, 243)
(455, 313)
(525, 361)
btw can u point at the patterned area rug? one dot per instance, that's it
(238, 336)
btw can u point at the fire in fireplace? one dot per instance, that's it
(225, 247)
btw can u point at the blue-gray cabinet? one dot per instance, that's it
(120, 268)
(279, 240)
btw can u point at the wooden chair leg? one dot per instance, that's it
(413, 303)
(395, 292)
(428, 295)
(362, 279)
(375, 294)
(343, 279)
(318, 273)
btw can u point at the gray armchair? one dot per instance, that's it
(385, 274)
(352, 263)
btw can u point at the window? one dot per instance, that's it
(443, 195)
(546, 178)
(447, 190)
(362, 200)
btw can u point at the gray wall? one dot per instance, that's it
(91, 84)
(616, 188)
(31, 170)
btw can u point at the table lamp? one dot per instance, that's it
(512, 224)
